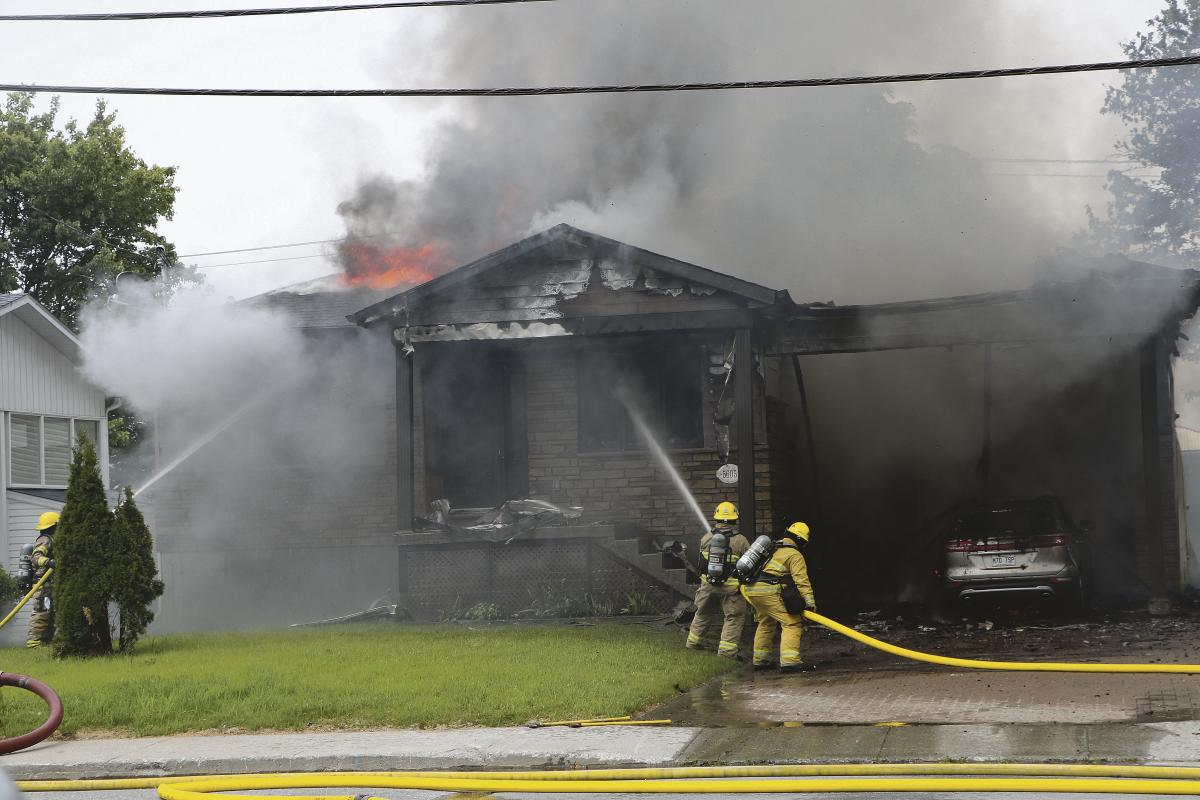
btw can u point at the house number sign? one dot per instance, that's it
(728, 473)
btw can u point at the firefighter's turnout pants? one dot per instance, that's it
(715, 601)
(40, 629)
(786, 567)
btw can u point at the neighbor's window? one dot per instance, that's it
(661, 382)
(40, 448)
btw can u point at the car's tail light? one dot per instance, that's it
(1052, 540)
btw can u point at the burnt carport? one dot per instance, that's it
(907, 410)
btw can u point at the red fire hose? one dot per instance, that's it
(46, 728)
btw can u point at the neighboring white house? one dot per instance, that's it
(44, 401)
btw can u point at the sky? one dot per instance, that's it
(259, 172)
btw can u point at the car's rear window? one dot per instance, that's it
(1007, 522)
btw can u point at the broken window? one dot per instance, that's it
(660, 381)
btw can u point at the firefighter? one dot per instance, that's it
(779, 594)
(718, 588)
(40, 628)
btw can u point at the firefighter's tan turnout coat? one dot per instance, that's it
(724, 598)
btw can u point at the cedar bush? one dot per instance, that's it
(9, 590)
(83, 579)
(137, 584)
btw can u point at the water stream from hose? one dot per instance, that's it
(660, 456)
(211, 434)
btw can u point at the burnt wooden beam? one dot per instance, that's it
(406, 472)
(1158, 459)
(743, 376)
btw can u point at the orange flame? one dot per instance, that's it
(377, 267)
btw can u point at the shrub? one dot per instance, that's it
(9, 590)
(82, 549)
(135, 576)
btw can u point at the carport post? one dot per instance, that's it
(405, 467)
(743, 374)
(1158, 460)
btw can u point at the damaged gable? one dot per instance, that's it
(539, 286)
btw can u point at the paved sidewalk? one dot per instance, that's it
(499, 748)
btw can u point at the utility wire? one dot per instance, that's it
(1060, 160)
(129, 16)
(537, 91)
(356, 238)
(262, 261)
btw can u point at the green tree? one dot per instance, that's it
(135, 576)
(77, 207)
(1157, 219)
(83, 552)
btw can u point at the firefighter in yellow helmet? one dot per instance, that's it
(40, 628)
(779, 594)
(718, 587)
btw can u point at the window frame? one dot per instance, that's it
(41, 428)
(628, 353)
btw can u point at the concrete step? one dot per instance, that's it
(649, 564)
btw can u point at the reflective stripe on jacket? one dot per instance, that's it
(42, 548)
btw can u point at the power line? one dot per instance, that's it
(1057, 160)
(357, 237)
(128, 16)
(261, 261)
(263, 247)
(1062, 175)
(538, 91)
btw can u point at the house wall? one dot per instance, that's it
(289, 515)
(626, 486)
(36, 378)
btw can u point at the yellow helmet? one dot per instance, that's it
(726, 512)
(799, 529)
(47, 520)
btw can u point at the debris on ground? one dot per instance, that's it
(503, 523)
(381, 610)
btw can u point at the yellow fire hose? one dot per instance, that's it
(1009, 666)
(25, 599)
(807, 778)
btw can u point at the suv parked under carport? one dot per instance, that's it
(1024, 550)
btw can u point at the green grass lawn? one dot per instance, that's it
(374, 676)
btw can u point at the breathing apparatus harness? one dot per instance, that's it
(749, 569)
(25, 568)
(718, 566)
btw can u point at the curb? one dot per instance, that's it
(1175, 743)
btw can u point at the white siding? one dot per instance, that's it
(36, 378)
(23, 513)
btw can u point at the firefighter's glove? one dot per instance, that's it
(51, 563)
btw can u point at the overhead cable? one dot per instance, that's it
(131, 16)
(262, 261)
(357, 237)
(538, 91)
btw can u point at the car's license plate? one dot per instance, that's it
(1002, 561)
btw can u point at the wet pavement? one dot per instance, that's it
(854, 684)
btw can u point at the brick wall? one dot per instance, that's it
(621, 486)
